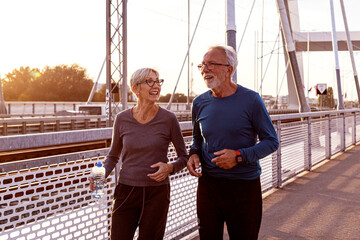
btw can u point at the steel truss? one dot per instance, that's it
(116, 60)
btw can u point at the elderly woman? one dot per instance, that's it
(141, 137)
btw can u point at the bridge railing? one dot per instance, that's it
(44, 124)
(50, 108)
(16, 126)
(48, 198)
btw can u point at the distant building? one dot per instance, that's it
(283, 100)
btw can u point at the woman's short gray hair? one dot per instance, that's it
(140, 75)
(231, 56)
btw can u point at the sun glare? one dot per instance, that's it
(35, 74)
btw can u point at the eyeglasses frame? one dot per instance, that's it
(158, 82)
(212, 64)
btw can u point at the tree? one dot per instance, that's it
(178, 98)
(17, 84)
(328, 99)
(100, 95)
(62, 83)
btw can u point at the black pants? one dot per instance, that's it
(146, 207)
(236, 202)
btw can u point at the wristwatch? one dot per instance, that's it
(238, 158)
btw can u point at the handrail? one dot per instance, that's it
(49, 119)
(37, 140)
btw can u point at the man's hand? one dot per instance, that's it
(225, 158)
(163, 171)
(193, 165)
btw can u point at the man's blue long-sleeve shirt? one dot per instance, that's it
(233, 122)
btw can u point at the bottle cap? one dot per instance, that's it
(99, 164)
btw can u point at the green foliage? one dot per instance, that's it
(60, 83)
(178, 98)
(328, 99)
(17, 84)
(100, 95)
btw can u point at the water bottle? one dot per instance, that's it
(98, 175)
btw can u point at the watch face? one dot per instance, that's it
(239, 159)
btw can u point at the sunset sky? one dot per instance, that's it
(37, 33)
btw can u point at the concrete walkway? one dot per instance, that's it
(323, 204)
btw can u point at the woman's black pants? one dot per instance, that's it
(143, 207)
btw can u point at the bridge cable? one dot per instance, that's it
(273, 49)
(242, 37)
(186, 56)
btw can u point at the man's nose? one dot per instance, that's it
(205, 68)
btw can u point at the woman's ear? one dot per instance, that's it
(136, 90)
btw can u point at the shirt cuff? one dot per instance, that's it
(194, 151)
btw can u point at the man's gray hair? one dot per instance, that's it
(231, 56)
(140, 75)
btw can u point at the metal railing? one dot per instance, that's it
(29, 125)
(48, 198)
(16, 126)
(50, 108)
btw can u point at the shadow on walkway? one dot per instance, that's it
(321, 204)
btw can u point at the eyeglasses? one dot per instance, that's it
(210, 65)
(151, 83)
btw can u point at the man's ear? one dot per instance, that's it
(230, 70)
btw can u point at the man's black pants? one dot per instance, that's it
(236, 202)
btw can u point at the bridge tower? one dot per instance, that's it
(311, 41)
(116, 58)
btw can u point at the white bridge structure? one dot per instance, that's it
(317, 41)
(49, 197)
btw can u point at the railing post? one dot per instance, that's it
(328, 143)
(24, 128)
(42, 129)
(4, 129)
(343, 144)
(57, 125)
(72, 124)
(86, 123)
(309, 162)
(278, 157)
(354, 130)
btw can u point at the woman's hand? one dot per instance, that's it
(163, 171)
(91, 184)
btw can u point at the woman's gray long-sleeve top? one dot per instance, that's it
(139, 146)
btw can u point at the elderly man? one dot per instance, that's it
(228, 120)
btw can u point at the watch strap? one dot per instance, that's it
(238, 158)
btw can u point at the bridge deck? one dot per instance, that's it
(321, 204)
